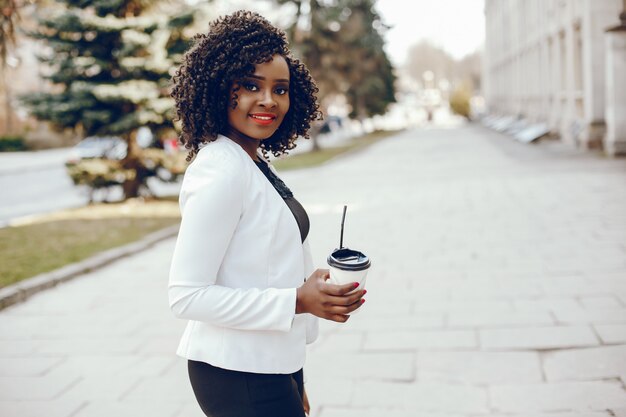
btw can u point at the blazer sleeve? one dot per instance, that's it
(212, 199)
(312, 322)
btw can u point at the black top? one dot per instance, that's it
(296, 208)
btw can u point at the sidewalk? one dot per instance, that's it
(498, 288)
(20, 162)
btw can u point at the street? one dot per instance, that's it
(37, 191)
(497, 288)
(37, 182)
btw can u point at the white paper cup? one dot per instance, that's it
(347, 266)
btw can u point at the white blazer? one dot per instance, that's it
(237, 263)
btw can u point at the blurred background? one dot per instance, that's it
(484, 139)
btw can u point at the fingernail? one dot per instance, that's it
(364, 292)
(356, 284)
(362, 300)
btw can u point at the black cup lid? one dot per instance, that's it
(348, 260)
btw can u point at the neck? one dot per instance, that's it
(248, 144)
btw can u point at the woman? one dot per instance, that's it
(241, 258)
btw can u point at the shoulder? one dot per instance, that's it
(217, 164)
(219, 154)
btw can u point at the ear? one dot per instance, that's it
(233, 95)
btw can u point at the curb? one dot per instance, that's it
(23, 290)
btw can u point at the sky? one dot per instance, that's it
(458, 26)
(455, 25)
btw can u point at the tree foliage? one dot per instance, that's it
(111, 65)
(341, 41)
(109, 62)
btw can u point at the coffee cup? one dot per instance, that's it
(347, 266)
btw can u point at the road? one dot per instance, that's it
(37, 182)
(497, 289)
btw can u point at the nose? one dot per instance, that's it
(267, 100)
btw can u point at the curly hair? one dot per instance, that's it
(227, 53)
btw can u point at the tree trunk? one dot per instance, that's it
(132, 161)
(8, 112)
(314, 132)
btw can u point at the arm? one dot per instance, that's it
(212, 202)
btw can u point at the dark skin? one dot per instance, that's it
(328, 301)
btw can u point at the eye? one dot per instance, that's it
(250, 86)
(281, 91)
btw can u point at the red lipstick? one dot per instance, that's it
(262, 118)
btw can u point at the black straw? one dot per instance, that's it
(343, 219)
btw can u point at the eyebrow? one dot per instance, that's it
(258, 77)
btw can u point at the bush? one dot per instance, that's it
(12, 144)
(460, 101)
(101, 173)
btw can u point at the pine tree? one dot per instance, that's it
(110, 63)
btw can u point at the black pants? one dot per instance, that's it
(224, 393)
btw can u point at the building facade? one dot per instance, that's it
(545, 61)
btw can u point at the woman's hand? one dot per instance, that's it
(328, 301)
(305, 402)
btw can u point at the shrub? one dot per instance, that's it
(101, 173)
(12, 144)
(460, 101)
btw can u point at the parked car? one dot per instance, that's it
(108, 147)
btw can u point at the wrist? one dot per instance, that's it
(299, 308)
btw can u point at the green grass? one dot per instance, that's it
(41, 247)
(315, 158)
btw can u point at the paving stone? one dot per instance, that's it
(498, 319)
(560, 414)
(27, 366)
(435, 397)
(165, 388)
(425, 339)
(612, 315)
(345, 341)
(158, 345)
(35, 388)
(359, 366)
(153, 408)
(553, 337)
(611, 333)
(575, 285)
(546, 304)
(356, 411)
(489, 306)
(329, 391)
(417, 321)
(33, 408)
(191, 410)
(18, 348)
(593, 363)
(479, 367)
(112, 346)
(600, 303)
(580, 396)
(123, 365)
(496, 288)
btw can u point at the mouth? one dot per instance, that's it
(262, 118)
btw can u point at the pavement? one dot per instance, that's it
(498, 288)
(21, 162)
